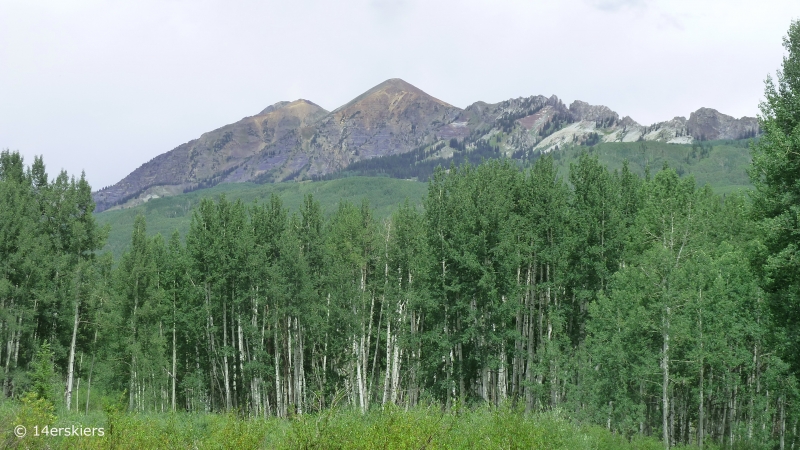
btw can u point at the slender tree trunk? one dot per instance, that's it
(91, 369)
(225, 371)
(325, 349)
(782, 422)
(372, 378)
(279, 404)
(665, 381)
(397, 355)
(531, 313)
(701, 403)
(240, 365)
(71, 363)
(78, 386)
(174, 352)
(387, 375)
(133, 383)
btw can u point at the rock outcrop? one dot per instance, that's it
(300, 140)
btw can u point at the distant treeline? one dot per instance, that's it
(415, 164)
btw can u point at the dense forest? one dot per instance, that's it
(631, 302)
(647, 305)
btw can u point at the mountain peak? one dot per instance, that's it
(301, 102)
(300, 140)
(393, 88)
(397, 83)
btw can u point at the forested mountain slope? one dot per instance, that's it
(721, 164)
(166, 215)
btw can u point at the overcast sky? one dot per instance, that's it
(104, 86)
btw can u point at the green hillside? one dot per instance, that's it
(721, 164)
(165, 215)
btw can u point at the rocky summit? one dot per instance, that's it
(300, 140)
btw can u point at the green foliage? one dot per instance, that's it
(390, 428)
(33, 413)
(43, 375)
(776, 200)
(720, 164)
(165, 215)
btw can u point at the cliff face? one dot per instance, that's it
(300, 140)
(709, 124)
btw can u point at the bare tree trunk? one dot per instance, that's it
(133, 354)
(701, 412)
(372, 378)
(298, 368)
(502, 381)
(91, 369)
(279, 404)
(71, 363)
(665, 381)
(782, 422)
(387, 375)
(225, 371)
(78, 386)
(531, 332)
(240, 333)
(359, 380)
(289, 366)
(396, 355)
(174, 352)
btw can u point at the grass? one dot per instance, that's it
(165, 215)
(391, 428)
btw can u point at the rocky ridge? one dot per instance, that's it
(300, 140)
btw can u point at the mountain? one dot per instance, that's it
(300, 140)
(214, 156)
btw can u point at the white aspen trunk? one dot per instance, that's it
(373, 379)
(502, 382)
(71, 363)
(701, 405)
(279, 405)
(255, 391)
(133, 355)
(17, 340)
(174, 363)
(9, 351)
(225, 372)
(665, 381)
(325, 350)
(396, 357)
(78, 394)
(298, 369)
(733, 414)
(290, 378)
(531, 334)
(362, 385)
(367, 346)
(89, 384)
(241, 349)
(387, 375)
